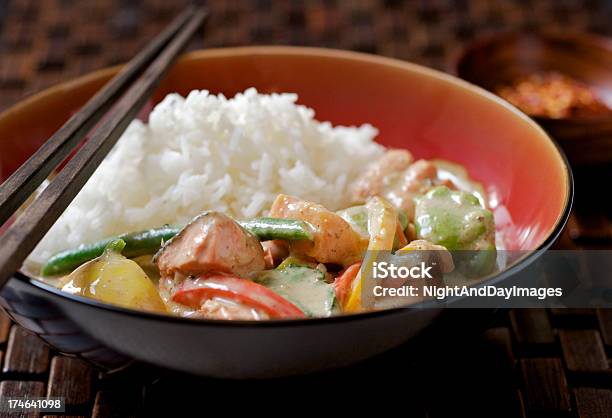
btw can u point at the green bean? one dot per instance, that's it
(277, 228)
(136, 244)
(117, 246)
(150, 241)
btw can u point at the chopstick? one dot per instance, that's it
(28, 229)
(22, 183)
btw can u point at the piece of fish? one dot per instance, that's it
(397, 178)
(335, 241)
(212, 242)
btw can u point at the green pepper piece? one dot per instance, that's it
(457, 221)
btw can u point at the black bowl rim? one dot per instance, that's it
(489, 39)
(431, 304)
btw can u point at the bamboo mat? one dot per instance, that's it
(45, 41)
(534, 363)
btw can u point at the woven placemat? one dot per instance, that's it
(533, 363)
(43, 42)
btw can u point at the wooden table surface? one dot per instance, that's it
(533, 363)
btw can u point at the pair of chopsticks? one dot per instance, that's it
(119, 100)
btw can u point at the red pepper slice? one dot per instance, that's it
(194, 292)
(344, 282)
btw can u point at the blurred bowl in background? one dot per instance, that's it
(501, 59)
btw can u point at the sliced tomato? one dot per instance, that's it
(194, 292)
(344, 282)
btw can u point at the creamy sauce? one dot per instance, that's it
(303, 286)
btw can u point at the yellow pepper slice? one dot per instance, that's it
(114, 279)
(382, 224)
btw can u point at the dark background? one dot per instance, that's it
(46, 41)
(532, 363)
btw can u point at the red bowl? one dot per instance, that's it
(430, 113)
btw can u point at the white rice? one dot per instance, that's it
(206, 152)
